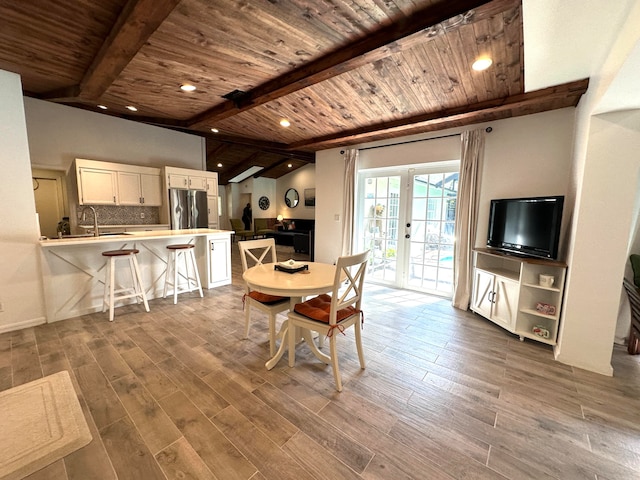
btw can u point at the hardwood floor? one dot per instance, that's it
(178, 393)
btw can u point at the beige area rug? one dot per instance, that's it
(40, 422)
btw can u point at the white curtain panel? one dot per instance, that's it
(472, 143)
(350, 175)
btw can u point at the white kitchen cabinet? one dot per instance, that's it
(218, 260)
(139, 189)
(97, 186)
(212, 205)
(129, 188)
(507, 291)
(177, 180)
(197, 182)
(107, 183)
(151, 189)
(212, 185)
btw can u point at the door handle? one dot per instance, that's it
(407, 236)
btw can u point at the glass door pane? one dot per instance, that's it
(432, 216)
(380, 211)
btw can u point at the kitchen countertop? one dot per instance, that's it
(149, 225)
(129, 236)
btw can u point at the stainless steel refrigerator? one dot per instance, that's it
(188, 209)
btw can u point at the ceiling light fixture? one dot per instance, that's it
(103, 107)
(482, 63)
(289, 165)
(284, 122)
(187, 87)
(219, 165)
(215, 130)
(132, 108)
(247, 173)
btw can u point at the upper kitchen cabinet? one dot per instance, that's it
(188, 179)
(139, 189)
(97, 187)
(212, 185)
(190, 182)
(106, 183)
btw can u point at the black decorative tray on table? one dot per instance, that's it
(290, 266)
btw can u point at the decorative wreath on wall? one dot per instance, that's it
(264, 203)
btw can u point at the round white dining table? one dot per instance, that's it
(316, 280)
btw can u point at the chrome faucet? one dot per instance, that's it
(96, 232)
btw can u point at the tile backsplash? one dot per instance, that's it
(114, 215)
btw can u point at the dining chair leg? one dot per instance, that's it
(334, 362)
(247, 317)
(359, 344)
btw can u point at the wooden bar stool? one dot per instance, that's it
(136, 291)
(191, 275)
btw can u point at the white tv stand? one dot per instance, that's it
(506, 290)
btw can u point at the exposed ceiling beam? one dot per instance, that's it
(136, 23)
(268, 147)
(273, 166)
(392, 38)
(559, 96)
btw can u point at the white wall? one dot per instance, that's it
(299, 179)
(58, 134)
(603, 224)
(21, 290)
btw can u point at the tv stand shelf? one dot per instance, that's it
(506, 290)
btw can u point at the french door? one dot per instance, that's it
(406, 219)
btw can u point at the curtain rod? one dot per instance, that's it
(488, 130)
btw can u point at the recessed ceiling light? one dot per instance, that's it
(284, 122)
(186, 87)
(132, 108)
(103, 107)
(215, 130)
(219, 165)
(482, 64)
(289, 165)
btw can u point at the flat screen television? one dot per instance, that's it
(526, 226)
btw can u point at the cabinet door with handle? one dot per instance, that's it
(96, 187)
(505, 302)
(483, 293)
(129, 188)
(151, 186)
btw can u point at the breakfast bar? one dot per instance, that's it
(73, 267)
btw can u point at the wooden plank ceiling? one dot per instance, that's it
(342, 72)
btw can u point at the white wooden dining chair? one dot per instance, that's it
(331, 314)
(257, 252)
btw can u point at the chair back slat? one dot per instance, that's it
(348, 292)
(259, 251)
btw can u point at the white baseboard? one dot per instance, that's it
(24, 324)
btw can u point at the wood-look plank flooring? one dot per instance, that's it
(179, 393)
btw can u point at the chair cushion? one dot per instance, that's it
(318, 308)
(266, 298)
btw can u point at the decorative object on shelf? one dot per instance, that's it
(546, 308)
(540, 331)
(546, 280)
(309, 197)
(291, 198)
(264, 203)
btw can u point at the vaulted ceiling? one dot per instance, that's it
(343, 72)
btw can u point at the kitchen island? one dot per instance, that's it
(73, 267)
